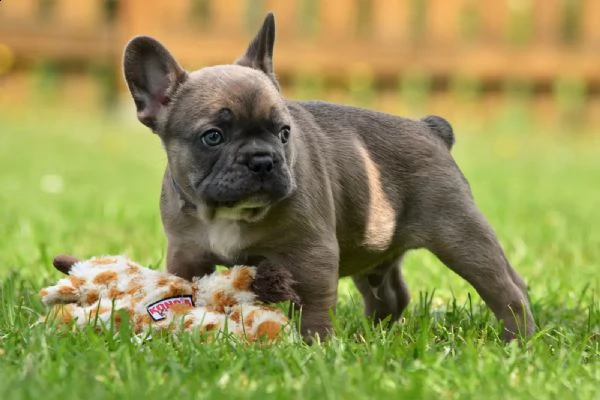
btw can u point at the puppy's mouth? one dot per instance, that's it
(248, 210)
(235, 195)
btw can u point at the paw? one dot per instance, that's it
(274, 284)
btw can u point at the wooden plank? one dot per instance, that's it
(494, 21)
(391, 20)
(176, 17)
(442, 22)
(286, 16)
(31, 42)
(19, 10)
(590, 23)
(546, 22)
(335, 52)
(79, 14)
(25, 10)
(227, 16)
(331, 57)
(136, 18)
(336, 19)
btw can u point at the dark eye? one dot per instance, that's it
(284, 134)
(212, 138)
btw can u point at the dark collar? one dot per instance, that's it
(177, 188)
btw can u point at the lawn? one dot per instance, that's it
(89, 186)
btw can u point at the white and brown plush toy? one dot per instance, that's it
(229, 301)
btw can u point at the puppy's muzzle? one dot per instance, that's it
(257, 176)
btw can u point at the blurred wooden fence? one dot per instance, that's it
(360, 45)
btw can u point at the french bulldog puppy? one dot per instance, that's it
(322, 189)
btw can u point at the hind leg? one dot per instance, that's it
(384, 291)
(467, 244)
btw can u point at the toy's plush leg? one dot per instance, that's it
(273, 284)
(264, 323)
(62, 293)
(314, 269)
(64, 314)
(206, 321)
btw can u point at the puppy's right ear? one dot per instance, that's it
(152, 75)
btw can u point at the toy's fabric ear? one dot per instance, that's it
(152, 75)
(274, 284)
(63, 263)
(259, 54)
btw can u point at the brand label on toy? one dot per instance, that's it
(158, 310)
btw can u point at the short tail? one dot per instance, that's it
(441, 128)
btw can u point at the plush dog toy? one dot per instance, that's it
(233, 301)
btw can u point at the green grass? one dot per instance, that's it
(89, 186)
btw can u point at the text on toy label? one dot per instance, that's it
(158, 310)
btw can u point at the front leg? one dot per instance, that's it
(186, 258)
(315, 274)
(188, 261)
(318, 300)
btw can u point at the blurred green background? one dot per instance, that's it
(518, 79)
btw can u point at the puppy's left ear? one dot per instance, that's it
(259, 54)
(152, 75)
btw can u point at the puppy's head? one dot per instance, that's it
(226, 129)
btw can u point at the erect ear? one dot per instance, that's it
(152, 75)
(259, 54)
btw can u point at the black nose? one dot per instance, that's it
(261, 163)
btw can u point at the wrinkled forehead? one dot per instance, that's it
(248, 93)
